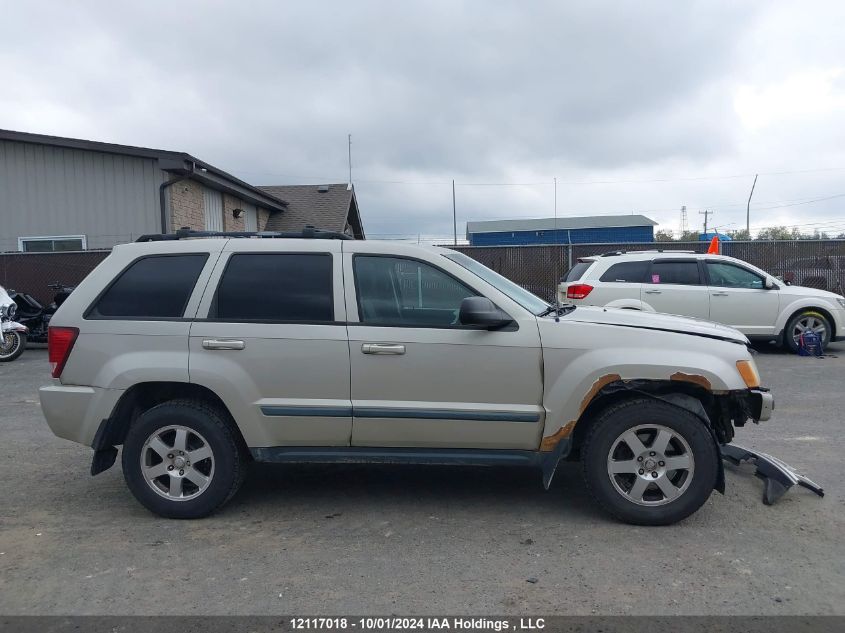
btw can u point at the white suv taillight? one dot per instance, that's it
(578, 291)
(60, 342)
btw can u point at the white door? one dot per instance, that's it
(250, 217)
(738, 297)
(212, 206)
(420, 378)
(675, 286)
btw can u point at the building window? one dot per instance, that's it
(52, 243)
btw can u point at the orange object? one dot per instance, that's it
(714, 246)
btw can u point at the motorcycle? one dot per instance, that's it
(12, 334)
(35, 316)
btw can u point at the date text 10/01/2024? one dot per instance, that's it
(417, 623)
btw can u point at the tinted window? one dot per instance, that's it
(577, 271)
(630, 272)
(730, 276)
(397, 291)
(156, 287)
(669, 272)
(276, 287)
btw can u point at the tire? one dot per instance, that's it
(152, 446)
(651, 421)
(12, 346)
(807, 318)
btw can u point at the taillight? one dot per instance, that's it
(60, 341)
(578, 291)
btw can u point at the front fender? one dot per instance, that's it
(14, 326)
(803, 303)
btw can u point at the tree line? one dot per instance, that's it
(771, 233)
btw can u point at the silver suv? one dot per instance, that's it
(201, 355)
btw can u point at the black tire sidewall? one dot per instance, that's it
(614, 423)
(790, 342)
(206, 422)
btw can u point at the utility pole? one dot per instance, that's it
(748, 207)
(705, 213)
(454, 215)
(350, 159)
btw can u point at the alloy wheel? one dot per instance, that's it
(650, 465)
(809, 323)
(177, 463)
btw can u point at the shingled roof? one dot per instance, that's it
(330, 207)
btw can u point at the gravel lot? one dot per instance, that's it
(370, 539)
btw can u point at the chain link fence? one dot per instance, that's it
(814, 263)
(33, 272)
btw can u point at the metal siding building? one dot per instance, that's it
(48, 191)
(60, 194)
(574, 230)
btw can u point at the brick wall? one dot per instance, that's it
(186, 205)
(231, 223)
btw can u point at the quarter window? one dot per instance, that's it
(730, 276)
(156, 287)
(627, 272)
(576, 272)
(405, 292)
(683, 273)
(278, 287)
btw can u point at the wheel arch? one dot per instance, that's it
(140, 398)
(690, 396)
(813, 307)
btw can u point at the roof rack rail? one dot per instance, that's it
(308, 233)
(651, 250)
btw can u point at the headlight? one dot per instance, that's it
(11, 310)
(841, 301)
(749, 374)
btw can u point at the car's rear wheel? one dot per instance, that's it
(182, 460)
(12, 345)
(648, 462)
(806, 321)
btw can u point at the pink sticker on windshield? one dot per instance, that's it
(655, 279)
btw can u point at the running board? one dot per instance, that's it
(777, 476)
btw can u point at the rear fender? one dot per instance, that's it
(14, 326)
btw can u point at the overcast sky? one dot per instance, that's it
(633, 106)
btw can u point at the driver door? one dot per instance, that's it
(739, 298)
(419, 377)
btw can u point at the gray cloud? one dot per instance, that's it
(476, 91)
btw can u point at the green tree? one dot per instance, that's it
(664, 235)
(779, 233)
(740, 234)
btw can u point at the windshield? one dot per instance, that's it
(527, 300)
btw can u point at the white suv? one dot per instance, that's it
(200, 355)
(714, 287)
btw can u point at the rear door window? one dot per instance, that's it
(627, 272)
(577, 271)
(276, 287)
(680, 272)
(156, 287)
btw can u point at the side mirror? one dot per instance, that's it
(768, 284)
(483, 313)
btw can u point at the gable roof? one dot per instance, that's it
(169, 161)
(543, 224)
(331, 207)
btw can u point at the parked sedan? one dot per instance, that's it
(714, 287)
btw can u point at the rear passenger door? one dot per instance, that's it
(620, 282)
(675, 286)
(272, 342)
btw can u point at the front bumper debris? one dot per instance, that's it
(763, 404)
(778, 476)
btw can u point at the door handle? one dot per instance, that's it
(211, 343)
(720, 294)
(653, 292)
(382, 348)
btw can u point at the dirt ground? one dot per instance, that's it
(324, 540)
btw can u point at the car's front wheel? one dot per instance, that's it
(807, 321)
(648, 462)
(182, 460)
